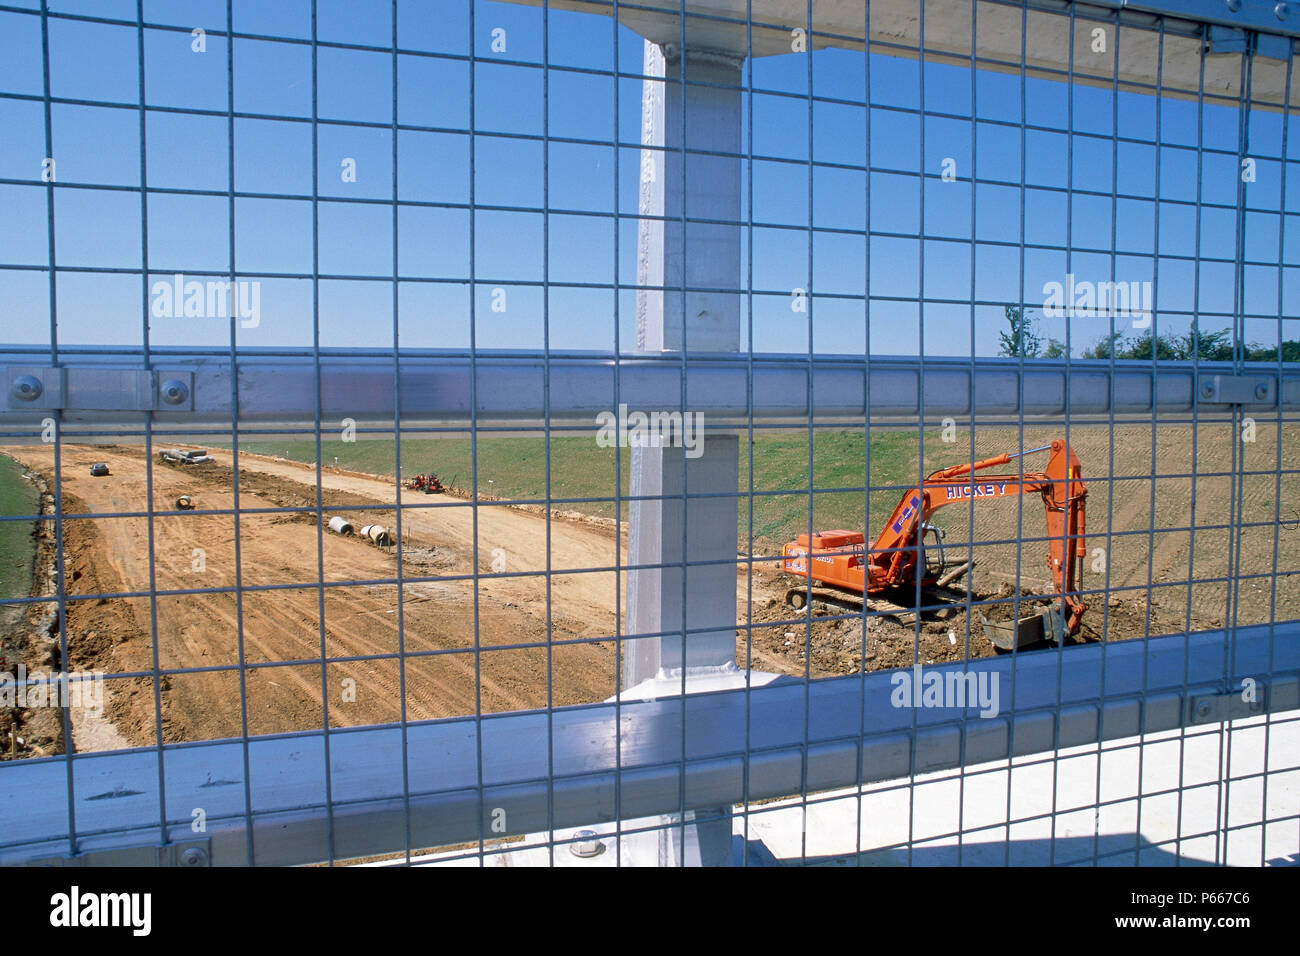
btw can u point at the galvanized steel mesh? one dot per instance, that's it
(340, 245)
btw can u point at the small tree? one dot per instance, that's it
(1055, 349)
(1020, 341)
(1204, 345)
(1148, 346)
(1145, 346)
(1260, 353)
(1103, 348)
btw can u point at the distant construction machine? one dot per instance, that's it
(846, 573)
(429, 484)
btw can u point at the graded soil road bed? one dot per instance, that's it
(282, 605)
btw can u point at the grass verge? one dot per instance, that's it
(18, 496)
(515, 467)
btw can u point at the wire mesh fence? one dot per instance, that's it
(571, 433)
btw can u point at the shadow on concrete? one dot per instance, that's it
(1116, 849)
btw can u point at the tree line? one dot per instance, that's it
(1020, 339)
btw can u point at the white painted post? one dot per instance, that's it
(703, 257)
(697, 310)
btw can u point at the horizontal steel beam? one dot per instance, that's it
(738, 745)
(1052, 38)
(526, 388)
(1264, 16)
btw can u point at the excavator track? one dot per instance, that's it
(936, 603)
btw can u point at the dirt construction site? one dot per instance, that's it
(547, 639)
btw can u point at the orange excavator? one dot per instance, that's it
(841, 562)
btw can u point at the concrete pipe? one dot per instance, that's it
(184, 503)
(341, 526)
(378, 534)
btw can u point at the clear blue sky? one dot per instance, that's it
(99, 145)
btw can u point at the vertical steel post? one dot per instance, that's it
(683, 501)
(674, 254)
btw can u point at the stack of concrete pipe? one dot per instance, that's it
(378, 534)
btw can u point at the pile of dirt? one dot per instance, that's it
(31, 640)
(847, 642)
(1006, 610)
(844, 642)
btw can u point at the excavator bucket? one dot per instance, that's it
(1034, 629)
